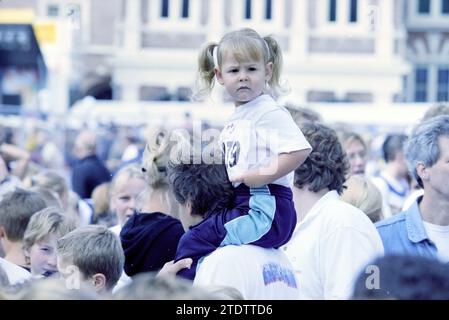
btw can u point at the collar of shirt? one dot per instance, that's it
(413, 222)
(244, 108)
(316, 209)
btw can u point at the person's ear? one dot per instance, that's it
(269, 71)
(422, 171)
(219, 76)
(3, 233)
(99, 281)
(189, 208)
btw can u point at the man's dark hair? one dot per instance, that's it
(16, 209)
(327, 165)
(393, 144)
(205, 186)
(405, 278)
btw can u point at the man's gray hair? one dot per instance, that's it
(423, 147)
(93, 249)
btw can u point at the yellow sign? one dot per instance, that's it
(17, 16)
(45, 32)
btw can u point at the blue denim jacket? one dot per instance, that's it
(404, 233)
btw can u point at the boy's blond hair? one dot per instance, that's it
(45, 222)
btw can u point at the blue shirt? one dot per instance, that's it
(404, 233)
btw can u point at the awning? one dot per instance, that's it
(19, 48)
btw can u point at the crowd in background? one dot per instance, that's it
(102, 201)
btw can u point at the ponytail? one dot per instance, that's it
(206, 72)
(275, 57)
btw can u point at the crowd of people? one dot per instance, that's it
(281, 206)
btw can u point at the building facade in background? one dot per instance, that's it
(362, 51)
(427, 27)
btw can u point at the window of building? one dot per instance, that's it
(173, 15)
(185, 9)
(360, 97)
(183, 94)
(353, 10)
(154, 93)
(332, 10)
(321, 96)
(247, 9)
(268, 9)
(53, 10)
(421, 84)
(164, 8)
(445, 6)
(443, 84)
(423, 6)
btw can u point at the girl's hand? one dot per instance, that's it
(172, 268)
(237, 179)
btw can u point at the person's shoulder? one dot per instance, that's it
(152, 223)
(345, 214)
(393, 231)
(391, 222)
(153, 217)
(244, 253)
(230, 253)
(271, 108)
(171, 226)
(15, 273)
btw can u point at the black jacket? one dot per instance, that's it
(87, 174)
(149, 240)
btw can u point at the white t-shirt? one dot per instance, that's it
(440, 236)
(330, 247)
(412, 198)
(394, 192)
(257, 132)
(257, 273)
(15, 273)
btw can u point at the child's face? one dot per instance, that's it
(243, 81)
(43, 256)
(123, 200)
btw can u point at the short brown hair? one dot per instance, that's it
(327, 164)
(16, 209)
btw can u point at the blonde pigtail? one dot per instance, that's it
(275, 57)
(206, 72)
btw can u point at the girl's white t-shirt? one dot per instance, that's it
(256, 134)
